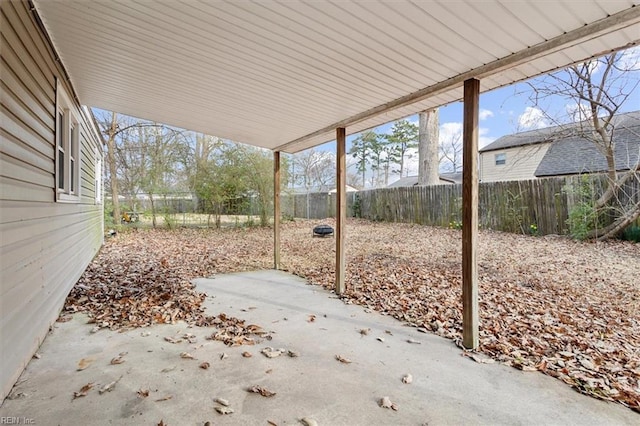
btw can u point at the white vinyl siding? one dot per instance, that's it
(45, 245)
(518, 163)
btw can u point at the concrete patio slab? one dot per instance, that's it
(447, 388)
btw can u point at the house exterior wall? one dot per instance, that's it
(45, 244)
(520, 163)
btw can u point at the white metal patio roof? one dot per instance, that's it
(284, 75)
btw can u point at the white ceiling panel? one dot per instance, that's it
(284, 74)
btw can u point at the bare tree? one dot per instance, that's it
(451, 153)
(115, 127)
(428, 161)
(314, 169)
(111, 133)
(595, 92)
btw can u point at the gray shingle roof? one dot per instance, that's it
(405, 181)
(574, 154)
(549, 134)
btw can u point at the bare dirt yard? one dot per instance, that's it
(567, 309)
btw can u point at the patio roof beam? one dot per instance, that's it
(276, 209)
(470, 213)
(587, 32)
(341, 207)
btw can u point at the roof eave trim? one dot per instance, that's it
(502, 148)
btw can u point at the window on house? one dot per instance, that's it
(67, 148)
(501, 159)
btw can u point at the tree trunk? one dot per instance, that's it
(111, 159)
(428, 159)
(618, 225)
(153, 210)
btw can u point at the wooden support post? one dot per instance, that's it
(470, 214)
(276, 209)
(341, 207)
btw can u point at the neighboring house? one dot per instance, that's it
(51, 222)
(445, 178)
(558, 151)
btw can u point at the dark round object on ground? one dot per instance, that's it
(322, 230)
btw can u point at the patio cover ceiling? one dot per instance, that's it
(284, 75)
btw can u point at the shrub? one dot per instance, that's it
(632, 233)
(357, 206)
(583, 216)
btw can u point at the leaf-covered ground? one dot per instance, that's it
(568, 309)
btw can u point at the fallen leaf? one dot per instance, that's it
(172, 340)
(385, 402)
(143, 393)
(388, 332)
(83, 391)
(272, 423)
(247, 354)
(37, 355)
(109, 387)
(223, 356)
(414, 341)
(308, 421)
(311, 318)
(224, 410)
(162, 423)
(380, 339)
(65, 318)
(479, 359)
(166, 370)
(343, 359)
(364, 331)
(222, 401)
(186, 355)
(189, 337)
(84, 363)
(205, 365)
(262, 391)
(407, 378)
(271, 352)
(586, 363)
(293, 354)
(117, 360)
(166, 398)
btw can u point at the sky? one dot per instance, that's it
(503, 111)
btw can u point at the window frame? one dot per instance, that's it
(500, 159)
(67, 148)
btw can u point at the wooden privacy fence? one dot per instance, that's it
(315, 205)
(539, 206)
